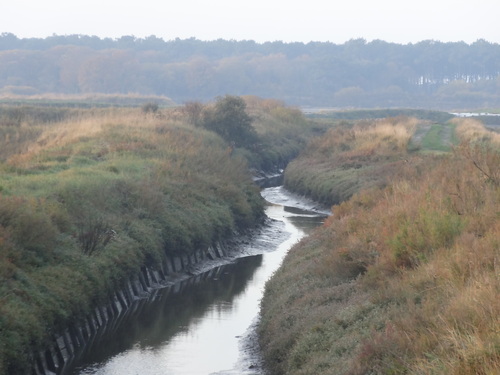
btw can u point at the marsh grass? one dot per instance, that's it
(89, 198)
(400, 280)
(473, 130)
(335, 166)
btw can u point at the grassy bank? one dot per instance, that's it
(89, 196)
(350, 157)
(400, 280)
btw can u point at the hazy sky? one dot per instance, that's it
(397, 21)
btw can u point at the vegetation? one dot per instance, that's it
(439, 137)
(89, 196)
(230, 120)
(349, 157)
(402, 279)
(265, 131)
(358, 74)
(83, 100)
(364, 114)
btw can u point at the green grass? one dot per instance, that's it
(161, 193)
(48, 102)
(440, 138)
(364, 114)
(163, 186)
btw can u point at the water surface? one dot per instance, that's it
(206, 324)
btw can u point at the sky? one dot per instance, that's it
(397, 21)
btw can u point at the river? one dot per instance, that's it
(207, 323)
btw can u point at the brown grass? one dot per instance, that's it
(89, 124)
(422, 260)
(473, 130)
(347, 158)
(386, 136)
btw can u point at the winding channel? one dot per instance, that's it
(207, 324)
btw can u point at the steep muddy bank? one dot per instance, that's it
(174, 274)
(213, 290)
(70, 344)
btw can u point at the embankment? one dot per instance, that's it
(351, 157)
(90, 198)
(401, 279)
(98, 204)
(176, 272)
(75, 340)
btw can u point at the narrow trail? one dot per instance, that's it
(432, 137)
(419, 134)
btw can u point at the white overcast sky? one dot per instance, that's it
(396, 21)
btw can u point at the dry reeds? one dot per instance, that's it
(471, 130)
(385, 135)
(425, 249)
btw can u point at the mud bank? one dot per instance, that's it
(176, 272)
(67, 347)
(208, 327)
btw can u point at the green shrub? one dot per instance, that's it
(417, 237)
(230, 120)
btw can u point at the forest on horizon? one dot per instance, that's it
(355, 74)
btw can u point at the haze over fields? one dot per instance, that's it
(259, 20)
(428, 74)
(360, 53)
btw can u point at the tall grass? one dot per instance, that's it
(400, 280)
(473, 130)
(335, 166)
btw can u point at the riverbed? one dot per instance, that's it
(206, 324)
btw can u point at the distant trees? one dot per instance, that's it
(377, 73)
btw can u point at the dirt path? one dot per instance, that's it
(419, 134)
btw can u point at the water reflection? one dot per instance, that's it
(196, 327)
(173, 313)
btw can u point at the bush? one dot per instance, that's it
(229, 119)
(150, 108)
(94, 234)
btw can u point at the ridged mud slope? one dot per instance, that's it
(399, 280)
(65, 347)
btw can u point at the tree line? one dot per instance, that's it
(356, 73)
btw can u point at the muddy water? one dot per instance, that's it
(206, 324)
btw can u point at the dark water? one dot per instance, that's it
(206, 324)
